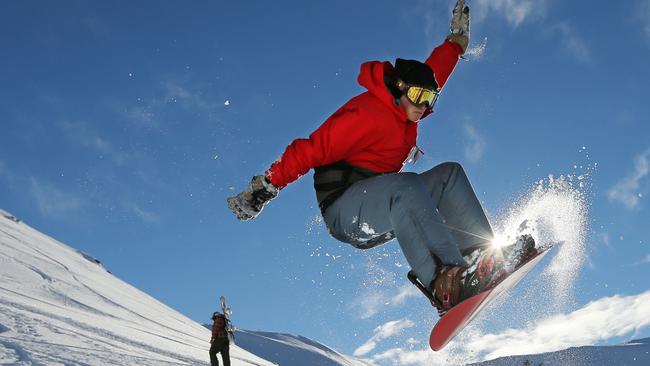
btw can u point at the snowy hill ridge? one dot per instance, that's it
(60, 306)
(288, 349)
(636, 352)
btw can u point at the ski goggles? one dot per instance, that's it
(418, 95)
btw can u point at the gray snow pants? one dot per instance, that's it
(434, 215)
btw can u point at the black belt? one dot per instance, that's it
(331, 181)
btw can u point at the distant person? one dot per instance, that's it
(366, 200)
(219, 340)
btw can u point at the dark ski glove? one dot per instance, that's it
(249, 203)
(460, 25)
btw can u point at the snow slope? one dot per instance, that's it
(61, 307)
(635, 353)
(290, 350)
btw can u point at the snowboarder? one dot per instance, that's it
(219, 341)
(358, 154)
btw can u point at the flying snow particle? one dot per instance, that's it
(478, 51)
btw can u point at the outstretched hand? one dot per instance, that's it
(249, 203)
(460, 25)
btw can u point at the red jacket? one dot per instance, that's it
(368, 131)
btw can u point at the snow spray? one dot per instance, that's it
(554, 212)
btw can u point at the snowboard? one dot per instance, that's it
(450, 324)
(230, 329)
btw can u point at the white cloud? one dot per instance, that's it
(383, 332)
(141, 115)
(606, 240)
(644, 16)
(572, 43)
(142, 214)
(474, 145)
(430, 14)
(514, 11)
(628, 191)
(599, 320)
(52, 201)
(96, 26)
(369, 304)
(82, 133)
(434, 13)
(646, 259)
(372, 302)
(596, 322)
(403, 294)
(176, 91)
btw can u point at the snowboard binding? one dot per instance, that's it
(487, 267)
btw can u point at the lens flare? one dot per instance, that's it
(500, 241)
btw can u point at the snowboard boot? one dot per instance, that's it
(454, 284)
(487, 267)
(519, 253)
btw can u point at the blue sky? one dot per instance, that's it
(125, 125)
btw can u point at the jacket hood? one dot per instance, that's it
(371, 77)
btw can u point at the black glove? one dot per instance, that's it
(249, 203)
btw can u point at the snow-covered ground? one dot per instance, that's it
(61, 307)
(635, 353)
(287, 349)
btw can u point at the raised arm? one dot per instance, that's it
(444, 58)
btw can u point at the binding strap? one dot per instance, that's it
(447, 286)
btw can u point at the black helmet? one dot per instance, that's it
(414, 72)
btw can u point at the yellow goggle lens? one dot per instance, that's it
(420, 96)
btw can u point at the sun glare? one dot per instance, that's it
(499, 241)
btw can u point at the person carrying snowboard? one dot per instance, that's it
(358, 154)
(219, 341)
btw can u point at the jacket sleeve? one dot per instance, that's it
(343, 134)
(443, 60)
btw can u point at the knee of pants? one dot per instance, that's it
(451, 167)
(406, 187)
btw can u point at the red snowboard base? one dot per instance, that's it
(462, 314)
